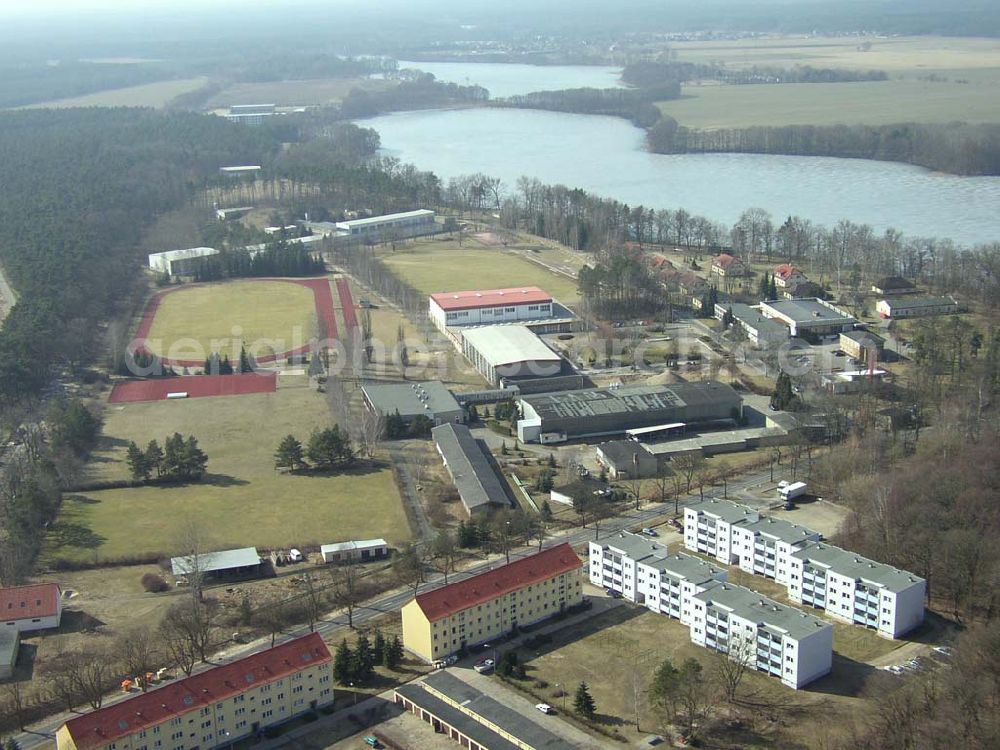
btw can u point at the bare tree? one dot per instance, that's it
(348, 588)
(408, 566)
(61, 675)
(688, 464)
(273, 616)
(94, 676)
(138, 651)
(193, 624)
(372, 431)
(192, 544)
(444, 551)
(729, 668)
(662, 480)
(15, 703)
(313, 602)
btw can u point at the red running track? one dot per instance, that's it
(322, 297)
(196, 386)
(347, 304)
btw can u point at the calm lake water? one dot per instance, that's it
(605, 155)
(508, 79)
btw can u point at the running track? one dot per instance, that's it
(347, 305)
(322, 296)
(195, 386)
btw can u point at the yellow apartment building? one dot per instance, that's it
(214, 708)
(440, 622)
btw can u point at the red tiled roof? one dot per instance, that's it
(105, 725)
(29, 602)
(455, 597)
(725, 260)
(785, 271)
(521, 295)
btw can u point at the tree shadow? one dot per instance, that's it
(221, 480)
(849, 678)
(70, 534)
(78, 621)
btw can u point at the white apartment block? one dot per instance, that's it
(857, 590)
(849, 587)
(646, 573)
(772, 638)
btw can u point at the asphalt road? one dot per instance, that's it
(41, 735)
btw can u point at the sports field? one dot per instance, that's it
(271, 317)
(243, 501)
(442, 266)
(157, 94)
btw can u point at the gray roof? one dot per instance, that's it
(627, 399)
(654, 555)
(857, 567)
(894, 282)
(348, 546)
(754, 607)
(385, 219)
(621, 452)
(636, 546)
(209, 562)
(514, 723)
(10, 639)
(753, 318)
(864, 337)
(409, 399)
(809, 310)
(190, 252)
(908, 302)
(471, 470)
(505, 345)
(780, 529)
(727, 511)
(686, 568)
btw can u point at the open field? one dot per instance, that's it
(230, 313)
(442, 266)
(157, 94)
(242, 501)
(866, 102)
(292, 93)
(611, 648)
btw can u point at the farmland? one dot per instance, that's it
(242, 501)
(193, 322)
(444, 266)
(291, 93)
(157, 94)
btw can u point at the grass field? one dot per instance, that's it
(869, 102)
(243, 500)
(442, 266)
(292, 93)
(231, 313)
(157, 94)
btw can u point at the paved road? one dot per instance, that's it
(41, 734)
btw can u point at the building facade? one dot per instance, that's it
(809, 316)
(489, 306)
(726, 265)
(215, 708)
(626, 459)
(862, 344)
(505, 354)
(24, 609)
(441, 622)
(759, 330)
(787, 276)
(916, 307)
(363, 550)
(180, 262)
(399, 226)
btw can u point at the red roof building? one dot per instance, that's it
(786, 275)
(475, 300)
(728, 265)
(35, 607)
(222, 702)
(490, 306)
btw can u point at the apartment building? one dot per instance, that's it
(857, 590)
(214, 708)
(443, 621)
(764, 547)
(708, 528)
(646, 573)
(781, 641)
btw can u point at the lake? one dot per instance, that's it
(605, 156)
(511, 79)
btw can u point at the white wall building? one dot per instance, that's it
(179, 262)
(509, 352)
(489, 306)
(708, 528)
(915, 307)
(401, 225)
(362, 550)
(857, 590)
(27, 608)
(769, 637)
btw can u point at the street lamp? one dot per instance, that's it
(354, 692)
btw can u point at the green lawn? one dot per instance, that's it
(242, 502)
(443, 266)
(267, 315)
(157, 94)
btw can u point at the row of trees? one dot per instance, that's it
(327, 449)
(179, 460)
(280, 257)
(651, 73)
(635, 104)
(356, 665)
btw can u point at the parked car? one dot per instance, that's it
(613, 594)
(545, 708)
(650, 532)
(295, 555)
(484, 667)
(944, 650)
(372, 741)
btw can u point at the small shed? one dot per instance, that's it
(363, 550)
(230, 563)
(626, 459)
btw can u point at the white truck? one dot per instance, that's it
(788, 491)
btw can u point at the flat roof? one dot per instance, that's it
(100, 728)
(455, 597)
(752, 317)
(622, 452)
(920, 301)
(348, 546)
(191, 252)
(636, 546)
(754, 607)
(409, 399)
(470, 468)
(781, 529)
(507, 719)
(474, 299)
(247, 168)
(863, 337)
(652, 554)
(592, 402)
(482, 735)
(506, 345)
(637, 431)
(808, 310)
(728, 511)
(857, 567)
(209, 562)
(385, 218)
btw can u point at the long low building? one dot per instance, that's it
(916, 307)
(430, 399)
(180, 262)
(776, 639)
(471, 468)
(759, 330)
(399, 226)
(447, 619)
(809, 316)
(508, 354)
(228, 563)
(215, 708)
(472, 719)
(489, 306)
(851, 588)
(592, 412)
(362, 550)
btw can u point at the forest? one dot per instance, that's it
(956, 148)
(632, 104)
(42, 82)
(419, 92)
(279, 258)
(650, 73)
